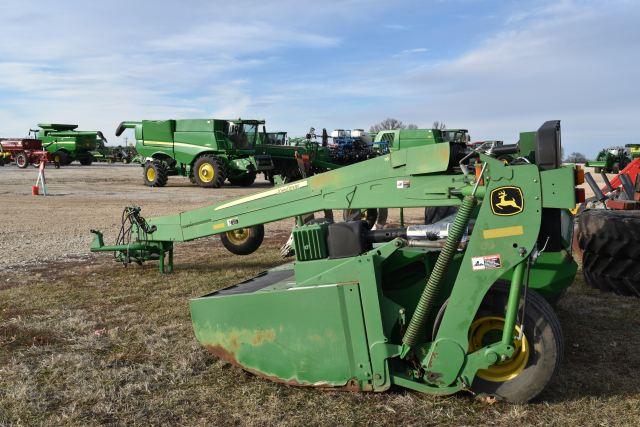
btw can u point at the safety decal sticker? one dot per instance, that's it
(403, 184)
(232, 221)
(506, 201)
(487, 262)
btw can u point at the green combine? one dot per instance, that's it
(456, 305)
(207, 151)
(66, 144)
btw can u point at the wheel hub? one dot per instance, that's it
(238, 236)
(488, 330)
(151, 174)
(206, 172)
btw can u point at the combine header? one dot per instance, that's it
(456, 305)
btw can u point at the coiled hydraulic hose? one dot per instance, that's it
(430, 293)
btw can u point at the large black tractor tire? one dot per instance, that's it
(208, 172)
(537, 358)
(22, 160)
(433, 214)
(610, 250)
(86, 161)
(369, 215)
(155, 174)
(243, 241)
(597, 169)
(59, 158)
(245, 180)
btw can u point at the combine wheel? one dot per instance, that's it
(537, 356)
(597, 170)
(22, 160)
(615, 168)
(208, 172)
(86, 161)
(243, 241)
(245, 180)
(155, 174)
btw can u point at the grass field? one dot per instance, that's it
(96, 343)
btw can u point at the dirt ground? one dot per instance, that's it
(81, 198)
(84, 341)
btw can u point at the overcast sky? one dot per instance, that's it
(494, 67)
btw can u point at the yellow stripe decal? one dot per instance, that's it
(179, 144)
(277, 190)
(218, 226)
(496, 233)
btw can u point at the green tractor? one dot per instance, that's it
(207, 151)
(439, 308)
(610, 160)
(66, 144)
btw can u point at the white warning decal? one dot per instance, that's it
(403, 184)
(487, 262)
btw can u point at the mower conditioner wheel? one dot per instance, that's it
(208, 172)
(537, 357)
(243, 241)
(155, 174)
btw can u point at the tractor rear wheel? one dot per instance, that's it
(615, 168)
(245, 180)
(243, 241)
(611, 254)
(537, 356)
(208, 172)
(22, 160)
(155, 174)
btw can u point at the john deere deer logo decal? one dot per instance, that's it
(506, 201)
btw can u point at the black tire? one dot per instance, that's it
(208, 172)
(245, 180)
(543, 334)
(246, 243)
(433, 214)
(155, 174)
(22, 160)
(86, 161)
(610, 233)
(611, 274)
(369, 215)
(60, 158)
(597, 170)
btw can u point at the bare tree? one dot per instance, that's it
(438, 125)
(576, 158)
(387, 124)
(412, 126)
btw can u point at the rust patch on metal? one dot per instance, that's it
(351, 386)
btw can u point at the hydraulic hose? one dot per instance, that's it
(431, 290)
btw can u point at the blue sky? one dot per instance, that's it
(494, 67)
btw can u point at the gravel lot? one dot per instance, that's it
(56, 228)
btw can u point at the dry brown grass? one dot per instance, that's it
(100, 344)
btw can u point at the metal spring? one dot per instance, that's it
(424, 308)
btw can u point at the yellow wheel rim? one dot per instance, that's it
(206, 172)
(488, 330)
(238, 236)
(57, 158)
(151, 174)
